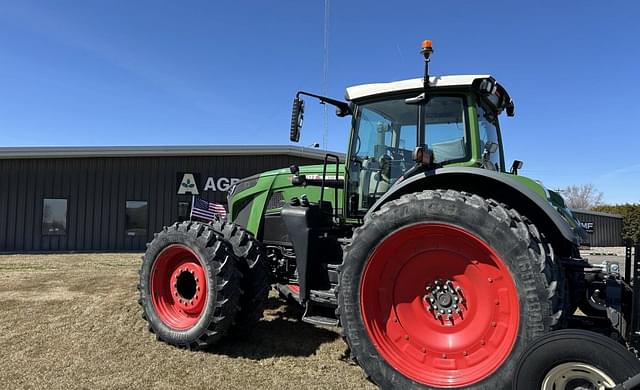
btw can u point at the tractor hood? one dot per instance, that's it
(265, 179)
(252, 197)
(314, 169)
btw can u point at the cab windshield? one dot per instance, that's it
(385, 135)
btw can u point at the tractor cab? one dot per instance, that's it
(403, 128)
(398, 131)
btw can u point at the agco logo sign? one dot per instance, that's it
(188, 183)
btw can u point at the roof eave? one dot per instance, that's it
(365, 91)
(157, 151)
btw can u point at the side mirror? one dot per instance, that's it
(491, 147)
(299, 180)
(297, 116)
(422, 155)
(517, 164)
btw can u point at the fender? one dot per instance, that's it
(494, 185)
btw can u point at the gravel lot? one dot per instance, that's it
(72, 321)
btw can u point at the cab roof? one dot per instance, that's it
(366, 90)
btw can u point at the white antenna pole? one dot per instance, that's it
(325, 74)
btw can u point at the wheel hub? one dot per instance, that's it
(186, 285)
(445, 300)
(577, 376)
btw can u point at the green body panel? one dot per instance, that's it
(279, 180)
(550, 196)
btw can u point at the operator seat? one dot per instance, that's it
(374, 180)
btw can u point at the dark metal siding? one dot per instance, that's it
(607, 229)
(96, 190)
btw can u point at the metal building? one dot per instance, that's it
(603, 229)
(115, 198)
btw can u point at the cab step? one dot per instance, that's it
(319, 315)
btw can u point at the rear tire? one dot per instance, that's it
(496, 258)
(566, 359)
(189, 285)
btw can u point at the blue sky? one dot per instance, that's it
(225, 72)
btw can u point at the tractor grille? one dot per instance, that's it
(276, 201)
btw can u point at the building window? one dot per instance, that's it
(136, 218)
(54, 217)
(184, 211)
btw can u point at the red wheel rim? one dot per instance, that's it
(178, 287)
(398, 284)
(294, 288)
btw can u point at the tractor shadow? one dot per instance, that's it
(280, 333)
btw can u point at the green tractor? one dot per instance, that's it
(441, 265)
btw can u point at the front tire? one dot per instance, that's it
(189, 285)
(444, 289)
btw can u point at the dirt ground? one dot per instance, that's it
(72, 321)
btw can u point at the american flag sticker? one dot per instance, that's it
(207, 210)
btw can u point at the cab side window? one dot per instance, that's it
(489, 134)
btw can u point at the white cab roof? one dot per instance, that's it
(364, 90)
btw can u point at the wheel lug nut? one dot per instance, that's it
(406, 337)
(493, 324)
(482, 342)
(465, 353)
(490, 280)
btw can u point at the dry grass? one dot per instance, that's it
(72, 321)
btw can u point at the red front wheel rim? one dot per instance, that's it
(439, 305)
(178, 287)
